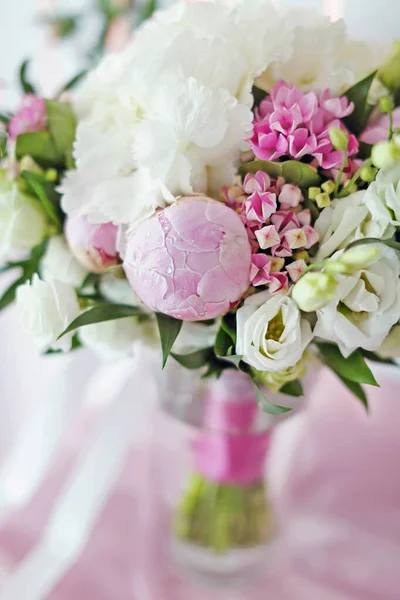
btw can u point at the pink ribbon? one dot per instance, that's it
(228, 451)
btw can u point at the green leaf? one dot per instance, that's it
(148, 9)
(361, 242)
(354, 368)
(358, 94)
(74, 346)
(41, 147)
(38, 186)
(223, 343)
(65, 24)
(169, 329)
(228, 324)
(375, 358)
(5, 118)
(26, 86)
(100, 314)
(269, 407)
(62, 125)
(194, 360)
(259, 95)
(293, 388)
(72, 82)
(356, 389)
(389, 73)
(3, 143)
(9, 295)
(292, 171)
(364, 150)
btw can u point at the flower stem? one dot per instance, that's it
(346, 190)
(341, 170)
(391, 132)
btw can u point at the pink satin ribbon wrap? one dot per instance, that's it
(228, 451)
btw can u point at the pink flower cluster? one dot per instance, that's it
(290, 123)
(30, 117)
(277, 226)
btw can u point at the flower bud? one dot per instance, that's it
(93, 245)
(323, 200)
(358, 258)
(389, 73)
(328, 186)
(352, 189)
(368, 174)
(314, 291)
(386, 104)
(339, 138)
(28, 164)
(385, 155)
(313, 192)
(275, 380)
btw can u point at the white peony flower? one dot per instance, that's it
(346, 220)
(366, 306)
(23, 222)
(271, 332)
(193, 129)
(115, 339)
(46, 309)
(59, 263)
(383, 197)
(317, 54)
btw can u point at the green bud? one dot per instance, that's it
(275, 380)
(385, 155)
(389, 73)
(386, 104)
(323, 200)
(313, 192)
(302, 255)
(328, 186)
(339, 138)
(351, 189)
(314, 290)
(368, 174)
(359, 257)
(51, 175)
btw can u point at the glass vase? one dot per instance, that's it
(216, 442)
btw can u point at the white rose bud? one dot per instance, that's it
(46, 309)
(23, 222)
(314, 290)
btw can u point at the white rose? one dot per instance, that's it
(366, 306)
(391, 344)
(46, 309)
(115, 339)
(22, 221)
(383, 197)
(346, 220)
(271, 332)
(59, 263)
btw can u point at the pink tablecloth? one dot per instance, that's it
(335, 482)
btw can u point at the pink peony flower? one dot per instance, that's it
(30, 117)
(93, 245)
(290, 123)
(191, 260)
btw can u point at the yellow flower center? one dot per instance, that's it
(275, 328)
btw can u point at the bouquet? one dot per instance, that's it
(227, 186)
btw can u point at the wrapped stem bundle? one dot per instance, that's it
(224, 506)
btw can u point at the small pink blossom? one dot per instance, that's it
(259, 182)
(267, 237)
(290, 195)
(302, 143)
(312, 236)
(295, 238)
(296, 269)
(260, 206)
(279, 282)
(337, 107)
(261, 274)
(29, 118)
(378, 128)
(304, 216)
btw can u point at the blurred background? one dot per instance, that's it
(334, 470)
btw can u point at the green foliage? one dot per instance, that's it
(259, 95)
(62, 125)
(44, 191)
(292, 171)
(358, 94)
(28, 267)
(293, 388)
(169, 329)
(26, 86)
(363, 241)
(72, 82)
(147, 11)
(194, 360)
(3, 143)
(100, 314)
(41, 147)
(354, 368)
(267, 406)
(356, 389)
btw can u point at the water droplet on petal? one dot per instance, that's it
(148, 234)
(169, 269)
